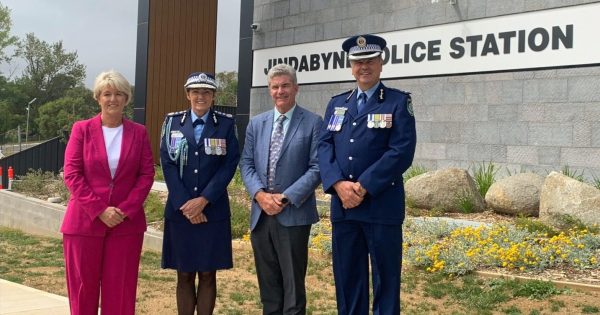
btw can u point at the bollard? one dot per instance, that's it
(11, 176)
(1, 187)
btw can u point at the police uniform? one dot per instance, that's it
(193, 169)
(374, 148)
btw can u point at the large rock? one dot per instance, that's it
(563, 196)
(443, 189)
(518, 194)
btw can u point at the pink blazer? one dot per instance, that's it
(87, 177)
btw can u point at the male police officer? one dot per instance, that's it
(367, 142)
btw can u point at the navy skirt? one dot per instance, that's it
(197, 247)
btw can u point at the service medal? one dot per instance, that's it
(382, 121)
(388, 120)
(377, 120)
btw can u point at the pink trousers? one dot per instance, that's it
(102, 266)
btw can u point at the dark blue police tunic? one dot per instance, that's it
(375, 148)
(192, 170)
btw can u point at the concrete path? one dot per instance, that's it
(16, 299)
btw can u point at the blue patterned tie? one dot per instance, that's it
(362, 101)
(275, 149)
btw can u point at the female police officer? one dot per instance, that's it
(199, 154)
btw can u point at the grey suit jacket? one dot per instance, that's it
(297, 174)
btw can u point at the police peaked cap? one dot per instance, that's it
(198, 80)
(363, 46)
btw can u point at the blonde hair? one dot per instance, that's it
(113, 79)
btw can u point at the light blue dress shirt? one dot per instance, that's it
(369, 93)
(200, 127)
(286, 122)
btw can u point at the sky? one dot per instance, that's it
(104, 32)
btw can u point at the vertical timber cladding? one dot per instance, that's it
(182, 39)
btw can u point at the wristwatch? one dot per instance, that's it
(284, 199)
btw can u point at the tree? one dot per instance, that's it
(6, 40)
(57, 117)
(50, 70)
(226, 88)
(12, 105)
(49, 74)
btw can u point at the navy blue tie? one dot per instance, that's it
(362, 101)
(197, 122)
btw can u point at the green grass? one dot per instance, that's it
(19, 252)
(588, 309)
(240, 206)
(154, 207)
(158, 174)
(555, 305)
(536, 290)
(33, 252)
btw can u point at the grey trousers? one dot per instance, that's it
(281, 257)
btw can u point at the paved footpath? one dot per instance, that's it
(16, 299)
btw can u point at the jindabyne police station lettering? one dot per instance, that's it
(543, 39)
(508, 42)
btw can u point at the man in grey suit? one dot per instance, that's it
(280, 170)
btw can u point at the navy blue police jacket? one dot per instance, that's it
(375, 157)
(200, 172)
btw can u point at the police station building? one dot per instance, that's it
(515, 82)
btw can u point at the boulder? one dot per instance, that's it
(518, 194)
(443, 189)
(563, 197)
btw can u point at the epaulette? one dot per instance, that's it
(176, 113)
(397, 90)
(349, 91)
(223, 114)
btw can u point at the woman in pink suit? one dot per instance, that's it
(109, 170)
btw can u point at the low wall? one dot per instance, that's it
(40, 217)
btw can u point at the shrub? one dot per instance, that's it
(596, 182)
(574, 174)
(463, 249)
(485, 176)
(40, 184)
(320, 236)
(413, 171)
(535, 226)
(465, 203)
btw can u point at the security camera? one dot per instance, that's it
(255, 27)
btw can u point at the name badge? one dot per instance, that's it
(175, 137)
(215, 146)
